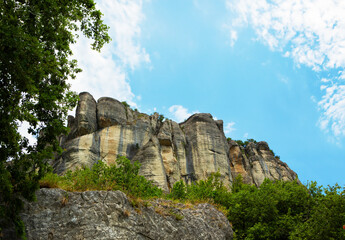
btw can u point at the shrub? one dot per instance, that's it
(125, 104)
(122, 176)
(160, 118)
(178, 191)
(251, 140)
(240, 142)
(211, 189)
(205, 189)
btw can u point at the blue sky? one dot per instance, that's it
(271, 70)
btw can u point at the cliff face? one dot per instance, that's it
(58, 214)
(167, 151)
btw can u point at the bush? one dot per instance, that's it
(125, 104)
(211, 189)
(122, 176)
(205, 189)
(161, 118)
(178, 191)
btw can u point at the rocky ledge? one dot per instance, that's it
(58, 214)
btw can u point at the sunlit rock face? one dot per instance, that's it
(207, 148)
(167, 151)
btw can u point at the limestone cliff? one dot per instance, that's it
(58, 214)
(167, 151)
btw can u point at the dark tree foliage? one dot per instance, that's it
(275, 210)
(286, 210)
(245, 143)
(35, 39)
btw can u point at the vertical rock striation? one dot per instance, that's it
(167, 151)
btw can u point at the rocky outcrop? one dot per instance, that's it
(240, 164)
(110, 112)
(85, 121)
(207, 148)
(167, 151)
(58, 214)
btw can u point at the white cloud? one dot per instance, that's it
(313, 99)
(312, 33)
(333, 109)
(325, 80)
(124, 18)
(105, 73)
(229, 128)
(245, 136)
(180, 113)
(342, 74)
(23, 130)
(101, 76)
(283, 79)
(233, 37)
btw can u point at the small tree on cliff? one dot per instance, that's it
(34, 66)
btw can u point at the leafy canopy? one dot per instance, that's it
(275, 210)
(35, 39)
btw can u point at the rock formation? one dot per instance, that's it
(167, 151)
(58, 214)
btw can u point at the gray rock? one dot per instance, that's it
(239, 163)
(262, 146)
(207, 148)
(179, 146)
(71, 121)
(263, 164)
(58, 214)
(164, 135)
(85, 121)
(110, 112)
(151, 161)
(220, 125)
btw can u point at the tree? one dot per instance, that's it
(272, 211)
(327, 214)
(35, 39)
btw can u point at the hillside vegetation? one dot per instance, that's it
(275, 210)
